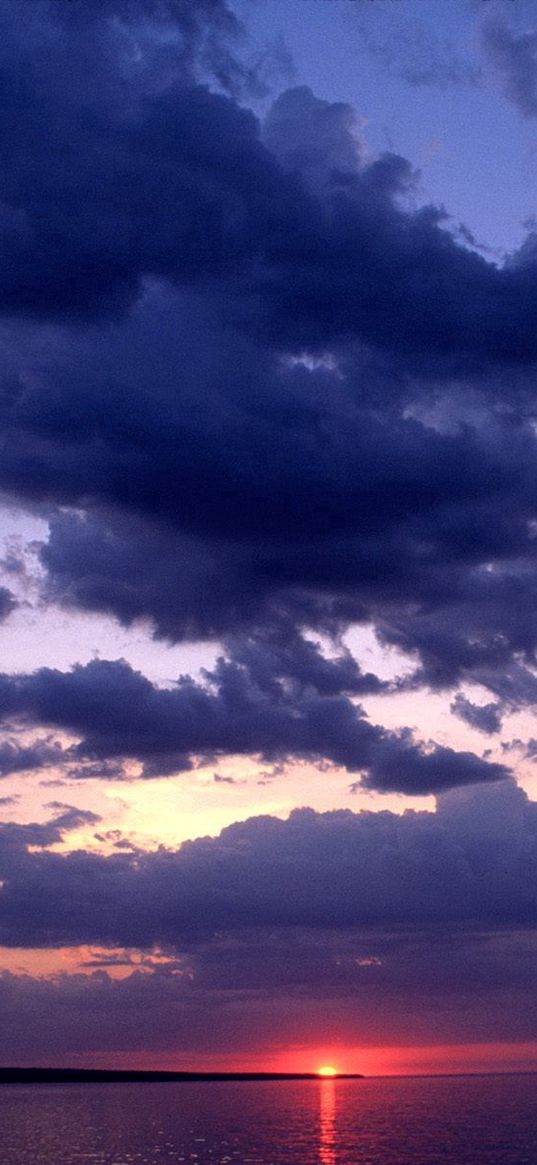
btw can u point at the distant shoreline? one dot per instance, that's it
(113, 1076)
(139, 1076)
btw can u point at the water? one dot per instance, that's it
(464, 1121)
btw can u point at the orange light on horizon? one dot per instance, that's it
(327, 1070)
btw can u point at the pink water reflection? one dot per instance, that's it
(327, 1123)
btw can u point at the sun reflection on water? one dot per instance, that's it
(327, 1122)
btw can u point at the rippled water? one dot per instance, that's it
(462, 1120)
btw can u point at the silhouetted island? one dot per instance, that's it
(137, 1076)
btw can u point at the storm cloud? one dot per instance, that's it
(124, 170)
(223, 493)
(250, 379)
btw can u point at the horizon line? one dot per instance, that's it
(12, 1074)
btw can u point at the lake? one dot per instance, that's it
(479, 1120)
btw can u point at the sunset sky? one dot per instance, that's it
(268, 478)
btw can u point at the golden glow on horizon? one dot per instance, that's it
(327, 1070)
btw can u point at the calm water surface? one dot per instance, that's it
(465, 1121)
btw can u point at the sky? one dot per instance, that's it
(268, 534)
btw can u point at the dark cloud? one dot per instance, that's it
(412, 539)
(472, 864)
(14, 836)
(485, 630)
(278, 697)
(277, 993)
(313, 138)
(121, 169)
(146, 177)
(232, 489)
(8, 602)
(391, 289)
(255, 383)
(222, 466)
(258, 394)
(371, 927)
(115, 838)
(485, 717)
(70, 1017)
(16, 758)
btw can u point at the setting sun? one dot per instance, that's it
(327, 1070)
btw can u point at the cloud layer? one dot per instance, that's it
(369, 928)
(470, 864)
